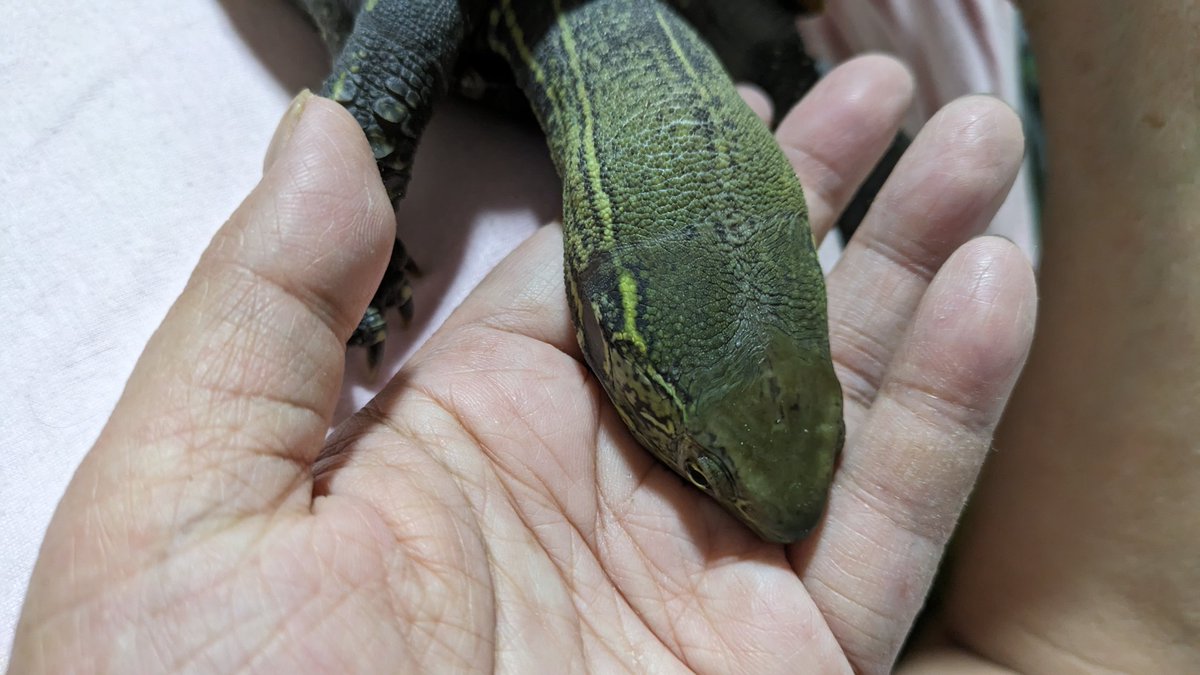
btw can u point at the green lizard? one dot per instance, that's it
(690, 267)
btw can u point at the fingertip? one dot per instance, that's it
(287, 125)
(1001, 273)
(948, 185)
(524, 294)
(881, 71)
(875, 86)
(1006, 278)
(314, 123)
(977, 324)
(981, 125)
(758, 101)
(986, 106)
(327, 152)
(319, 223)
(837, 134)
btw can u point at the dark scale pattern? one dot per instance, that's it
(388, 72)
(757, 41)
(689, 191)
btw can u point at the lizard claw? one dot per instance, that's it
(394, 291)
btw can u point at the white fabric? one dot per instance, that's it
(129, 131)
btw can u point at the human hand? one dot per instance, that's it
(487, 510)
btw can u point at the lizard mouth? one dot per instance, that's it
(775, 530)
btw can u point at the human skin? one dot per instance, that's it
(488, 511)
(1081, 551)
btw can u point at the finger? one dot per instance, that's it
(758, 101)
(840, 130)
(945, 190)
(232, 397)
(896, 498)
(524, 295)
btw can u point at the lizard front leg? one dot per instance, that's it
(393, 65)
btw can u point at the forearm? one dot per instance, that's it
(1082, 544)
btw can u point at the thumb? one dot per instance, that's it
(230, 402)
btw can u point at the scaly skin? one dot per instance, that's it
(756, 41)
(388, 71)
(690, 266)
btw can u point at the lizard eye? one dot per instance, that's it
(709, 474)
(696, 475)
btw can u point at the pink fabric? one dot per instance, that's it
(954, 48)
(132, 130)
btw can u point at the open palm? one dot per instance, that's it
(488, 510)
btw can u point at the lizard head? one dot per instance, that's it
(764, 438)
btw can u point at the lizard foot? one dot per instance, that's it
(385, 112)
(395, 291)
(392, 61)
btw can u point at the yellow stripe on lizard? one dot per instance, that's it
(591, 162)
(629, 304)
